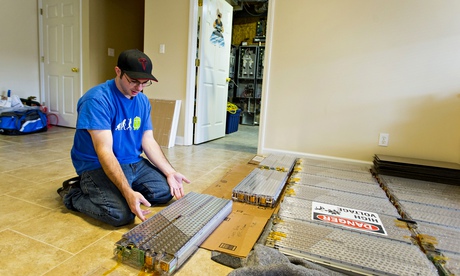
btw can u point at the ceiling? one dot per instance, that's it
(249, 8)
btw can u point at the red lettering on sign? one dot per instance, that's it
(348, 222)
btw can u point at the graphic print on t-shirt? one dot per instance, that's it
(129, 126)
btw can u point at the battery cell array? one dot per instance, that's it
(283, 163)
(435, 209)
(296, 232)
(263, 186)
(163, 242)
(260, 187)
(351, 251)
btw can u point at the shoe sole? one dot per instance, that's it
(62, 192)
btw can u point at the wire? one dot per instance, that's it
(231, 108)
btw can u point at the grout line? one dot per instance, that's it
(42, 242)
(94, 242)
(30, 202)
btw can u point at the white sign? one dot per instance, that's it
(348, 217)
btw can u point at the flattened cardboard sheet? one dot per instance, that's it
(239, 232)
(223, 188)
(165, 118)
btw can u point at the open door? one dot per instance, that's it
(213, 60)
(61, 58)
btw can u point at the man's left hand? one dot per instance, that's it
(175, 183)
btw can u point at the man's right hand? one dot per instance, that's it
(135, 199)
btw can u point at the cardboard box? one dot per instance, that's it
(239, 232)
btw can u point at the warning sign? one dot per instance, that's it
(347, 217)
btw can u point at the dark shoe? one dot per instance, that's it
(67, 185)
(71, 182)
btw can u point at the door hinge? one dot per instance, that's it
(42, 59)
(200, 3)
(195, 119)
(41, 11)
(197, 62)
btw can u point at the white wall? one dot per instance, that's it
(19, 51)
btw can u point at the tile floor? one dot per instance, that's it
(39, 236)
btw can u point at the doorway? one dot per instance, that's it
(244, 7)
(247, 64)
(212, 69)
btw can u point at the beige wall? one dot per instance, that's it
(343, 71)
(116, 24)
(167, 22)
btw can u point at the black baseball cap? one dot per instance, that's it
(136, 64)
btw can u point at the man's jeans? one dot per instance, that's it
(99, 198)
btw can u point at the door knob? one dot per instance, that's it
(75, 69)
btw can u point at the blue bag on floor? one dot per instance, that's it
(24, 121)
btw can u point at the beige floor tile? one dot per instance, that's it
(43, 194)
(9, 163)
(200, 263)
(97, 259)
(10, 183)
(22, 255)
(190, 173)
(46, 171)
(64, 229)
(204, 181)
(14, 212)
(38, 157)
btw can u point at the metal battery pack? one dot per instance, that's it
(348, 251)
(166, 240)
(263, 185)
(297, 232)
(435, 207)
(283, 163)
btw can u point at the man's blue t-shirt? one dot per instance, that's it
(105, 107)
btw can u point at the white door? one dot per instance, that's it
(215, 37)
(61, 58)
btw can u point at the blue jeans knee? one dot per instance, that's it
(151, 183)
(100, 199)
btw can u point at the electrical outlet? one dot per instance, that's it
(383, 139)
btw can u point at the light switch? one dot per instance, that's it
(162, 48)
(111, 52)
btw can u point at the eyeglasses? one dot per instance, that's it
(136, 82)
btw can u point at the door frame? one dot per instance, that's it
(41, 54)
(191, 74)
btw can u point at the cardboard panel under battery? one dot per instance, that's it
(165, 118)
(239, 232)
